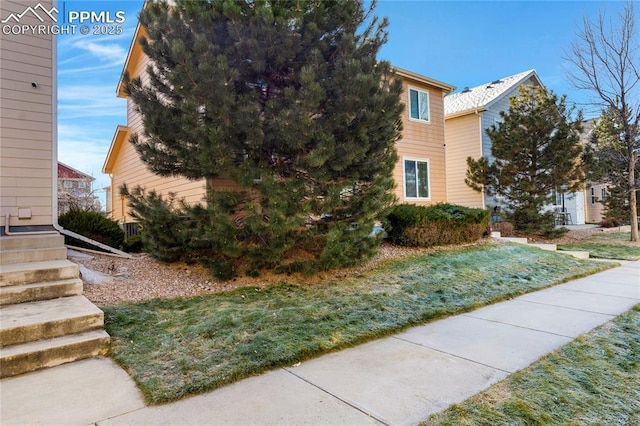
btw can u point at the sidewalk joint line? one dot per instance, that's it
(453, 355)
(523, 327)
(568, 307)
(336, 397)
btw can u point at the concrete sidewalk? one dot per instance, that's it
(399, 380)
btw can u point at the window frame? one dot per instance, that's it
(593, 195)
(418, 91)
(404, 178)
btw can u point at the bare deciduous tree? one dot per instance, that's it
(605, 59)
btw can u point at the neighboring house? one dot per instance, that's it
(75, 190)
(467, 116)
(596, 192)
(419, 173)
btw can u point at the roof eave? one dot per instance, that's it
(135, 52)
(445, 87)
(465, 112)
(116, 143)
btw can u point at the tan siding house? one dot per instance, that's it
(123, 164)
(27, 122)
(419, 174)
(467, 115)
(421, 151)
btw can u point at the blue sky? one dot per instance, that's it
(463, 43)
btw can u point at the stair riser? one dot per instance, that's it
(24, 363)
(31, 242)
(39, 275)
(48, 330)
(45, 291)
(23, 256)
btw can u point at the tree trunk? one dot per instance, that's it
(633, 206)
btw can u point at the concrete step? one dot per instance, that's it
(32, 255)
(29, 322)
(35, 272)
(576, 254)
(515, 240)
(544, 246)
(19, 359)
(40, 291)
(28, 242)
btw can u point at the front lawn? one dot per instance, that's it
(614, 245)
(594, 380)
(177, 347)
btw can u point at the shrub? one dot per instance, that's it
(610, 222)
(93, 225)
(439, 224)
(133, 244)
(504, 228)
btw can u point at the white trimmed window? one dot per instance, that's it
(82, 184)
(603, 194)
(68, 184)
(419, 104)
(416, 179)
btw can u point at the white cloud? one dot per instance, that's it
(85, 100)
(106, 52)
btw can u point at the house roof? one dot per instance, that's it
(119, 138)
(448, 88)
(483, 96)
(68, 172)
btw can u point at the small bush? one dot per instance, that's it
(93, 225)
(440, 224)
(610, 222)
(133, 244)
(504, 228)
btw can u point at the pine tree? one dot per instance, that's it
(287, 100)
(535, 150)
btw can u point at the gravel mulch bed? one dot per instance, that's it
(142, 277)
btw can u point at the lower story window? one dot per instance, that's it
(416, 179)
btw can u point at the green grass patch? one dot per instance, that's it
(177, 347)
(615, 245)
(594, 380)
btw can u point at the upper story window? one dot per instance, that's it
(82, 184)
(68, 184)
(419, 104)
(416, 179)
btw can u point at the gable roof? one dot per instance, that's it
(68, 172)
(483, 96)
